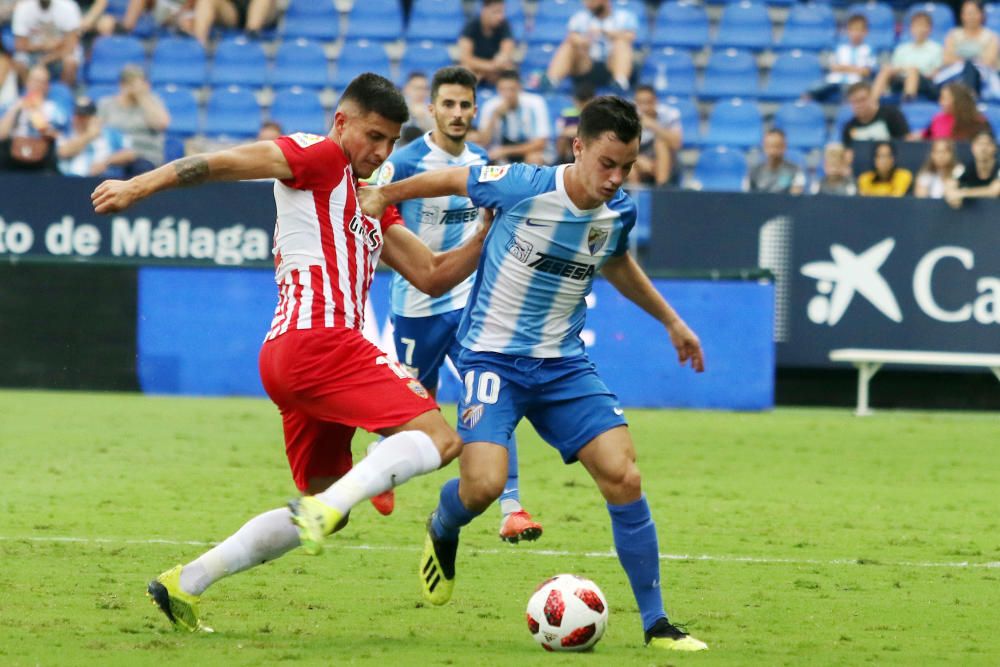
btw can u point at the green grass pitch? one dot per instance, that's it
(797, 537)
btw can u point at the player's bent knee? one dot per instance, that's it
(448, 443)
(480, 493)
(622, 485)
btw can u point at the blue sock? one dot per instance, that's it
(451, 514)
(510, 499)
(639, 553)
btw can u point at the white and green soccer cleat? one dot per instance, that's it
(315, 520)
(667, 636)
(180, 608)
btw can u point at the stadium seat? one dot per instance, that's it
(111, 54)
(680, 25)
(299, 110)
(993, 16)
(436, 20)
(180, 61)
(745, 25)
(239, 62)
(881, 24)
(7, 38)
(669, 71)
(735, 123)
(730, 73)
(183, 108)
(357, 57)
(536, 60)
(232, 112)
(424, 57)
(300, 63)
(992, 113)
(803, 123)
(720, 168)
(550, 22)
(844, 115)
(62, 95)
(792, 74)
(376, 20)
(690, 121)
(311, 19)
(98, 91)
(919, 114)
(942, 19)
(810, 27)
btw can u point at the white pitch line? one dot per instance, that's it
(520, 551)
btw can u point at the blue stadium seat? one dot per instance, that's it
(7, 38)
(424, 57)
(919, 114)
(299, 110)
(376, 20)
(183, 108)
(669, 71)
(311, 19)
(110, 54)
(232, 112)
(62, 95)
(736, 123)
(844, 114)
(300, 63)
(680, 24)
(721, 169)
(98, 91)
(690, 121)
(178, 60)
(993, 16)
(745, 25)
(360, 56)
(810, 27)
(536, 60)
(551, 18)
(436, 20)
(881, 24)
(792, 74)
(803, 123)
(992, 113)
(239, 62)
(942, 19)
(730, 73)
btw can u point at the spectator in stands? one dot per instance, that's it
(959, 119)
(941, 167)
(515, 124)
(91, 149)
(47, 32)
(167, 14)
(872, 121)
(971, 52)
(569, 121)
(775, 173)
(885, 179)
(599, 46)
(251, 16)
(979, 180)
(29, 128)
(139, 114)
(417, 92)
(914, 63)
(486, 45)
(269, 131)
(837, 177)
(660, 140)
(852, 62)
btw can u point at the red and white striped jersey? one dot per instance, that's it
(325, 249)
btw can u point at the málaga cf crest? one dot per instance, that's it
(596, 238)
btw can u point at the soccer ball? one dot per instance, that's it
(567, 613)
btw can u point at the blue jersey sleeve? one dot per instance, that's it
(626, 207)
(502, 187)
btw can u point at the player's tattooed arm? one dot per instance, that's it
(191, 170)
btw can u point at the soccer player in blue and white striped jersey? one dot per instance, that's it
(555, 229)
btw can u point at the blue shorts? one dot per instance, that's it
(423, 342)
(563, 398)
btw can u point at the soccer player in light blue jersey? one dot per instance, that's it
(424, 327)
(555, 229)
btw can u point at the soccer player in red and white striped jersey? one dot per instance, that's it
(324, 376)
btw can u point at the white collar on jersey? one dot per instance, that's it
(567, 202)
(442, 152)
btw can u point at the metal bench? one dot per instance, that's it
(868, 362)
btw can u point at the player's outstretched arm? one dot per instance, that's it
(262, 159)
(437, 183)
(433, 273)
(628, 278)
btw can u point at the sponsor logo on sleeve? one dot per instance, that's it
(492, 172)
(418, 389)
(305, 139)
(519, 248)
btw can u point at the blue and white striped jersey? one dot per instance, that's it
(538, 262)
(441, 222)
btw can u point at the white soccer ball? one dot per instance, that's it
(567, 613)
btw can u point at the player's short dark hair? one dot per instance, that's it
(454, 75)
(609, 114)
(491, 2)
(985, 132)
(645, 88)
(856, 86)
(921, 16)
(855, 18)
(776, 130)
(510, 74)
(375, 93)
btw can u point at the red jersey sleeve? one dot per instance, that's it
(391, 217)
(317, 163)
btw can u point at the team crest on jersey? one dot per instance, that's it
(417, 388)
(492, 172)
(305, 139)
(519, 248)
(472, 414)
(385, 173)
(369, 232)
(596, 238)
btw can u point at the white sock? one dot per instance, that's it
(264, 537)
(395, 460)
